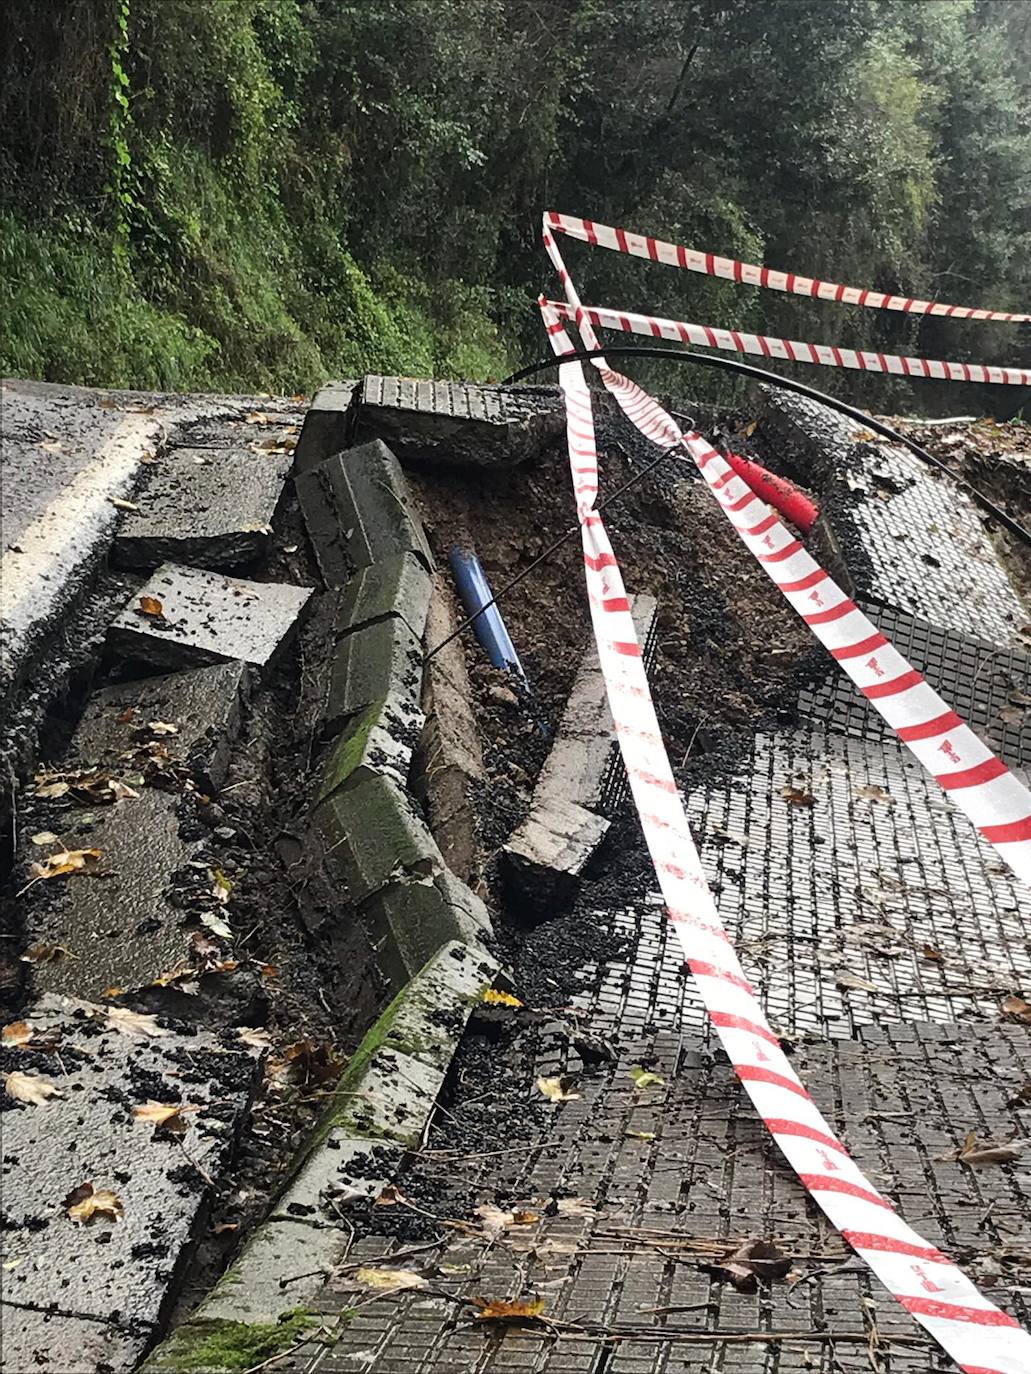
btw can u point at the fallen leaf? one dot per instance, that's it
(50, 790)
(797, 796)
(46, 954)
(43, 837)
(753, 1261)
(257, 1039)
(553, 1090)
(268, 970)
(121, 791)
(258, 417)
(646, 1136)
(525, 1218)
(748, 430)
(17, 1033)
(23, 1036)
(493, 1220)
(935, 956)
(574, 1207)
(53, 446)
(730, 837)
(864, 436)
(502, 1310)
(165, 1116)
(976, 1151)
(391, 1196)
(162, 727)
(223, 887)
(65, 861)
(1022, 1097)
(126, 717)
(86, 1201)
(112, 992)
(392, 1279)
(29, 1087)
(493, 998)
(224, 1226)
(151, 605)
(850, 981)
(306, 1064)
(644, 1078)
(128, 1022)
(119, 504)
(1017, 1008)
(216, 925)
(874, 793)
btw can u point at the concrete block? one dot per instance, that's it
(207, 618)
(411, 920)
(119, 924)
(549, 851)
(211, 508)
(51, 1343)
(365, 748)
(399, 586)
(382, 662)
(327, 424)
(125, 1272)
(452, 422)
(358, 510)
(374, 837)
(204, 704)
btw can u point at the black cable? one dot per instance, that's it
(620, 491)
(787, 384)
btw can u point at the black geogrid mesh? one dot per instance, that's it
(615, 787)
(989, 686)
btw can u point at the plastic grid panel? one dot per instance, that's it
(495, 405)
(878, 902)
(989, 686)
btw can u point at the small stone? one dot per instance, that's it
(504, 696)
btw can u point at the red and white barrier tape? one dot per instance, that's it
(979, 1335)
(730, 269)
(791, 350)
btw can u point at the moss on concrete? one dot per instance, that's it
(349, 749)
(232, 1346)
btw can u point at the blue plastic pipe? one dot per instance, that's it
(475, 592)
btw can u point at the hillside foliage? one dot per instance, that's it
(263, 193)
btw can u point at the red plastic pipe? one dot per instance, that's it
(778, 492)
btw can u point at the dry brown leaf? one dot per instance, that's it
(21, 1035)
(976, 1151)
(574, 1207)
(933, 955)
(1017, 1008)
(524, 1218)
(216, 925)
(121, 791)
(797, 796)
(306, 1064)
(29, 1087)
(50, 789)
(162, 727)
(850, 981)
(874, 793)
(493, 1220)
(166, 1116)
(47, 954)
(258, 417)
(128, 1022)
(554, 1090)
(493, 998)
(503, 1310)
(126, 717)
(391, 1196)
(44, 837)
(256, 1039)
(17, 1033)
(646, 1136)
(86, 1201)
(753, 1261)
(151, 605)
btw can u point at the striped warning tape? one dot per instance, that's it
(792, 350)
(979, 1335)
(730, 269)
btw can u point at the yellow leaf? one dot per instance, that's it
(28, 1087)
(493, 998)
(525, 1218)
(46, 954)
(392, 1279)
(66, 861)
(166, 1116)
(641, 1135)
(86, 1201)
(502, 1310)
(554, 1091)
(128, 1022)
(151, 605)
(644, 1078)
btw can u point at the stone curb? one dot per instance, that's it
(327, 425)
(261, 1305)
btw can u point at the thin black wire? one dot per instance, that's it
(552, 548)
(786, 384)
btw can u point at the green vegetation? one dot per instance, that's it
(260, 194)
(226, 1345)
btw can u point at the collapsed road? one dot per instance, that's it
(342, 1030)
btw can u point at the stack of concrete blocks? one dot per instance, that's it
(374, 556)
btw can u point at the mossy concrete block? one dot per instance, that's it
(209, 1345)
(410, 921)
(399, 586)
(366, 748)
(359, 510)
(395, 1076)
(381, 662)
(374, 837)
(327, 425)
